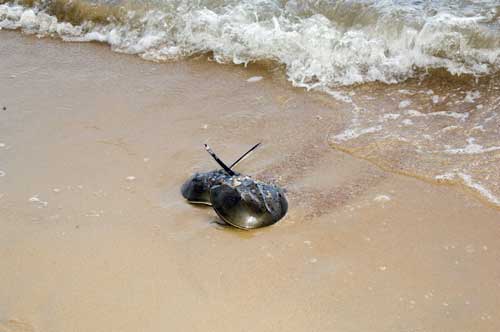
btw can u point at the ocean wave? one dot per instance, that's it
(322, 44)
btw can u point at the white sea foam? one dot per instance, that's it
(352, 133)
(448, 128)
(314, 40)
(382, 198)
(254, 79)
(456, 115)
(40, 203)
(404, 103)
(391, 116)
(469, 182)
(471, 96)
(445, 177)
(472, 148)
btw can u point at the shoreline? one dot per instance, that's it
(87, 249)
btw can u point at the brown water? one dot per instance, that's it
(95, 236)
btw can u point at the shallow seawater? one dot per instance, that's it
(443, 129)
(420, 79)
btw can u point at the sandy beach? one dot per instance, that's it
(95, 235)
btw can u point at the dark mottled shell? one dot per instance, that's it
(197, 188)
(246, 203)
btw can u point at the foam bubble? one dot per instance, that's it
(472, 148)
(404, 103)
(35, 199)
(471, 96)
(391, 116)
(407, 122)
(254, 79)
(456, 115)
(349, 134)
(382, 198)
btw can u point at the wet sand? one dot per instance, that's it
(96, 237)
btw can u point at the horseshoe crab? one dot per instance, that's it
(237, 199)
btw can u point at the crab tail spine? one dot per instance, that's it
(224, 166)
(244, 155)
